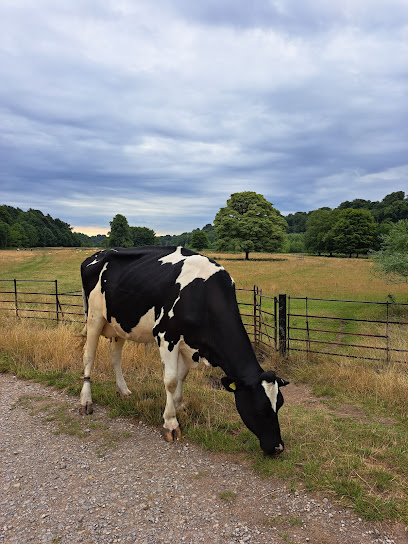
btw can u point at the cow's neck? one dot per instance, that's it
(238, 360)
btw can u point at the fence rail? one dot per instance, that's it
(19, 297)
(283, 324)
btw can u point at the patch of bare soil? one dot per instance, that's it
(96, 480)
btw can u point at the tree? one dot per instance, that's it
(392, 259)
(5, 234)
(297, 221)
(318, 237)
(294, 243)
(142, 236)
(120, 234)
(199, 240)
(249, 223)
(354, 232)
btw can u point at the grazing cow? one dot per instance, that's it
(186, 303)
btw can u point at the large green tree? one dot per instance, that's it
(249, 223)
(392, 260)
(354, 232)
(142, 236)
(120, 234)
(318, 236)
(199, 240)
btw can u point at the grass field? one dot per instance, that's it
(353, 443)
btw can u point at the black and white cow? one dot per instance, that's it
(186, 303)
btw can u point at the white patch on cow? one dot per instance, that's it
(142, 332)
(97, 303)
(173, 258)
(271, 390)
(171, 312)
(93, 262)
(159, 318)
(194, 267)
(164, 345)
(187, 353)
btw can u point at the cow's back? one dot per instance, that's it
(171, 282)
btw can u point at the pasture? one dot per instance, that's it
(344, 422)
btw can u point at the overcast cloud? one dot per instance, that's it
(160, 110)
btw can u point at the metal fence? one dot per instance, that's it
(284, 323)
(379, 333)
(326, 326)
(24, 299)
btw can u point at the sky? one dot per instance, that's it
(160, 110)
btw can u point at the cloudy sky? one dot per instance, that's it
(159, 110)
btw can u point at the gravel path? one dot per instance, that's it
(98, 480)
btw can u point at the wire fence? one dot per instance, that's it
(376, 331)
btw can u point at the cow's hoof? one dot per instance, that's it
(123, 394)
(86, 410)
(172, 436)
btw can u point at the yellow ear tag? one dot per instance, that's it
(233, 386)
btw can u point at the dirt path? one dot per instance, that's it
(97, 480)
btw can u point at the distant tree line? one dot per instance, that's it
(247, 223)
(353, 228)
(34, 229)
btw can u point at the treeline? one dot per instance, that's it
(188, 239)
(354, 227)
(34, 229)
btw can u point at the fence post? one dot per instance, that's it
(15, 297)
(255, 319)
(282, 324)
(56, 299)
(387, 333)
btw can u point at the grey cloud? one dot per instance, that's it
(184, 103)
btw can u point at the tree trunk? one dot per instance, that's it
(247, 255)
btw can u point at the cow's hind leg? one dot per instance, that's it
(116, 348)
(94, 328)
(171, 428)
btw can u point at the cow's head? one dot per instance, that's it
(258, 402)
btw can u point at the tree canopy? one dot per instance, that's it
(353, 231)
(32, 228)
(249, 223)
(199, 240)
(392, 260)
(120, 234)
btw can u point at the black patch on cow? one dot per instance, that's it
(196, 357)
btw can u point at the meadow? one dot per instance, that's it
(351, 443)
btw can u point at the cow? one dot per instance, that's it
(186, 303)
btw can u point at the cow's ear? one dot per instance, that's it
(282, 382)
(269, 376)
(230, 384)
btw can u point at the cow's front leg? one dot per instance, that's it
(171, 428)
(116, 347)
